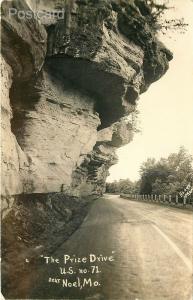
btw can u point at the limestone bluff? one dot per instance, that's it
(67, 86)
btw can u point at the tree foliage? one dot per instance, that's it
(169, 175)
(156, 15)
(125, 186)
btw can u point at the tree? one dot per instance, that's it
(171, 176)
(125, 186)
(155, 13)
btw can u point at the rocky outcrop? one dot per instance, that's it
(70, 78)
(56, 126)
(90, 176)
(24, 40)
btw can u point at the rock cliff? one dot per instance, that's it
(70, 78)
(65, 81)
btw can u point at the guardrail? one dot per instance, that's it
(163, 199)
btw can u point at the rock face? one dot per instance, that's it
(67, 81)
(70, 78)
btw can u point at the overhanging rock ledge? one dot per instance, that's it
(68, 86)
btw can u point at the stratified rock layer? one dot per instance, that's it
(65, 87)
(69, 81)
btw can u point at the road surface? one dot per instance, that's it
(151, 249)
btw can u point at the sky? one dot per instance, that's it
(166, 109)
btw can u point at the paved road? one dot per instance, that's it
(151, 247)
